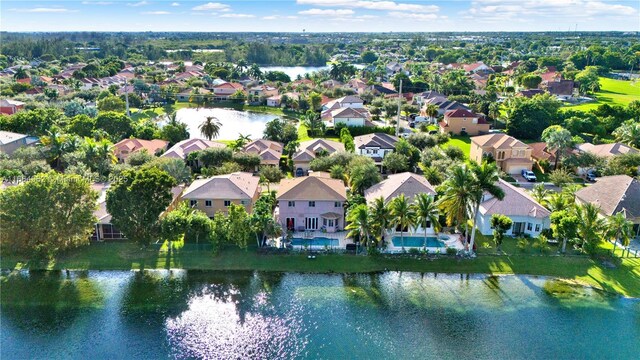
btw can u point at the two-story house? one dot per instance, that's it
(375, 146)
(310, 149)
(263, 91)
(269, 151)
(217, 193)
(225, 90)
(511, 155)
(126, 147)
(528, 216)
(312, 203)
(461, 121)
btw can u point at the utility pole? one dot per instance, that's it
(399, 103)
(126, 96)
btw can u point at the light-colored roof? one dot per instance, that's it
(238, 185)
(316, 188)
(10, 102)
(614, 194)
(307, 149)
(7, 137)
(406, 183)
(269, 151)
(516, 202)
(381, 140)
(606, 150)
(185, 147)
(138, 144)
(350, 113)
(498, 141)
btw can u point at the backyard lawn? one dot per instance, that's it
(624, 279)
(463, 142)
(612, 92)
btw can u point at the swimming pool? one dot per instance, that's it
(417, 241)
(316, 241)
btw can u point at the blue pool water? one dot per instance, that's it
(417, 241)
(317, 241)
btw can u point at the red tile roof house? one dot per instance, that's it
(460, 120)
(126, 147)
(224, 91)
(311, 203)
(10, 107)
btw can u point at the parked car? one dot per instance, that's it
(299, 172)
(591, 175)
(412, 125)
(529, 175)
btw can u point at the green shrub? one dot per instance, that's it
(452, 251)
(414, 251)
(523, 244)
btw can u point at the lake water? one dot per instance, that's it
(239, 315)
(294, 71)
(233, 122)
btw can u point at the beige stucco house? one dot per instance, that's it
(217, 193)
(511, 155)
(462, 121)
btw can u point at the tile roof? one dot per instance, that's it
(307, 149)
(381, 140)
(406, 183)
(185, 147)
(614, 194)
(516, 202)
(152, 146)
(540, 151)
(607, 150)
(458, 113)
(238, 185)
(269, 151)
(498, 141)
(318, 188)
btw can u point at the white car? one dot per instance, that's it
(529, 175)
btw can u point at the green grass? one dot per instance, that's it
(463, 142)
(303, 134)
(612, 92)
(625, 279)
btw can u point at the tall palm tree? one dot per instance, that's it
(486, 178)
(618, 228)
(255, 72)
(540, 194)
(426, 213)
(21, 73)
(628, 133)
(401, 215)
(359, 223)
(210, 127)
(590, 226)
(241, 66)
(559, 139)
(431, 111)
(56, 146)
(557, 202)
(380, 216)
(494, 112)
(456, 198)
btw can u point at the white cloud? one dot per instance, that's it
(238, 16)
(175, 4)
(211, 6)
(413, 16)
(141, 3)
(372, 5)
(326, 12)
(44, 10)
(155, 13)
(97, 3)
(528, 10)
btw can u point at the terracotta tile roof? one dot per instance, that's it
(614, 194)
(607, 150)
(540, 151)
(152, 146)
(238, 185)
(317, 188)
(185, 147)
(516, 202)
(498, 141)
(406, 183)
(459, 113)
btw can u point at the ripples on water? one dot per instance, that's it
(241, 315)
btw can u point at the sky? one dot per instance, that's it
(320, 15)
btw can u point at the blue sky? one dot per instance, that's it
(319, 15)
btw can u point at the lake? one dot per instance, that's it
(233, 122)
(238, 315)
(294, 71)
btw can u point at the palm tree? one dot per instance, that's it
(431, 111)
(486, 177)
(359, 223)
(255, 72)
(240, 142)
(618, 228)
(557, 202)
(494, 112)
(56, 146)
(241, 66)
(628, 133)
(590, 225)
(559, 139)
(540, 194)
(426, 213)
(401, 215)
(380, 216)
(456, 198)
(210, 128)
(21, 73)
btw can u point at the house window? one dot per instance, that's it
(193, 203)
(227, 203)
(330, 223)
(529, 226)
(337, 204)
(374, 151)
(244, 202)
(463, 129)
(537, 227)
(210, 217)
(312, 204)
(292, 204)
(207, 203)
(311, 223)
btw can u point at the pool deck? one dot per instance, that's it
(455, 241)
(341, 236)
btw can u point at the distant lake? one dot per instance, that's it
(294, 71)
(233, 122)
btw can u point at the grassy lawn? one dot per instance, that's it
(463, 142)
(612, 92)
(625, 279)
(303, 135)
